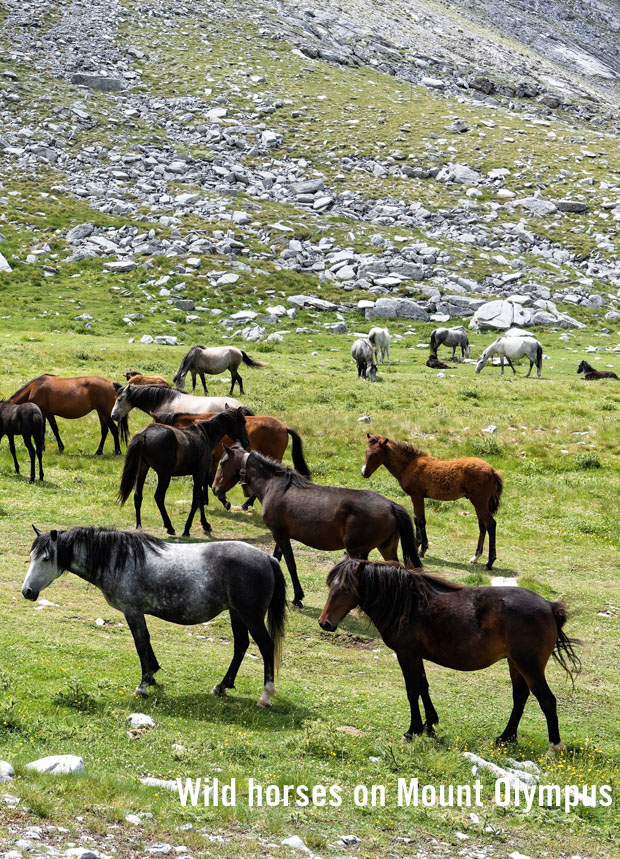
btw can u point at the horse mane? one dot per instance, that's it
(23, 387)
(149, 397)
(388, 592)
(106, 548)
(407, 447)
(270, 466)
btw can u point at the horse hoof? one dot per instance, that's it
(473, 559)
(184, 534)
(556, 749)
(264, 705)
(406, 739)
(504, 741)
(219, 691)
(206, 528)
(489, 565)
(298, 604)
(172, 532)
(141, 692)
(227, 505)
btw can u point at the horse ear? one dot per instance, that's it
(36, 531)
(227, 449)
(54, 536)
(383, 442)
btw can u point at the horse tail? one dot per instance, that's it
(495, 498)
(539, 356)
(299, 462)
(185, 365)
(564, 652)
(133, 459)
(434, 343)
(250, 361)
(276, 613)
(407, 537)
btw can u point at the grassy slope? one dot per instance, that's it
(68, 683)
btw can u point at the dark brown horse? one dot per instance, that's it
(175, 452)
(73, 398)
(267, 435)
(423, 476)
(134, 377)
(323, 517)
(25, 420)
(424, 617)
(589, 373)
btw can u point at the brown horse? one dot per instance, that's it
(74, 398)
(175, 452)
(25, 420)
(424, 617)
(423, 476)
(323, 517)
(589, 373)
(136, 378)
(267, 435)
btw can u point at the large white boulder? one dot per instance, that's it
(58, 765)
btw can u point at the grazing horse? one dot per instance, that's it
(380, 339)
(136, 378)
(323, 517)
(361, 350)
(589, 373)
(267, 435)
(185, 584)
(74, 398)
(156, 398)
(423, 476)
(217, 359)
(466, 628)
(515, 348)
(175, 452)
(26, 420)
(455, 337)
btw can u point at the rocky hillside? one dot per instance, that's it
(230, 166)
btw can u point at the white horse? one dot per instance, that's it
(514, 348)
(217, 359)
(380, 339)
(361, 351)
(456, 336)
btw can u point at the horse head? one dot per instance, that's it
(43, 567)
(375, 454)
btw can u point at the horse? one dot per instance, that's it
(267, 435)
(422, 616)
(435, 364)
(175, 452)
(26, 420)
(156, 398)
(455, 337)
(380, 339)
(323, 517)
(589, 373)
(217, 359)
(361, 351)
(515, 348)
(423, 476)
(181, 583)
(134, 377)
(73, 398)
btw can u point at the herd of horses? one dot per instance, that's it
(219, 443)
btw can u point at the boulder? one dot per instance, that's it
(537, 206)
(460, 174)
(397, 308)
(498, 315)
(58, 765)
(99, 82)
(6, 771)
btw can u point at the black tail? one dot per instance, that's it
(185, 365)
(539, 357)
(564, 653)
(298, 454)
(434, 343)
(276, 614)
(133, 458)
(495, 499)
(250, 361)
(407, 537)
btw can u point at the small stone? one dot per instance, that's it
(365, 419)
(6, 771)
(140, 720)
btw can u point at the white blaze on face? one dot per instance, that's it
(364, 470)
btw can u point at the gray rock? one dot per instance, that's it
(58, 764)
(572, 206)
(99, 82)
(336, 327)
(253, 333)
(120, 266)
(402, 308)
(537, 206)
(6, 771)
(166, 340)
(460, 174)
(4, 266)
(140, 720)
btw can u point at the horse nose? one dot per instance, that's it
(327, 625)
(364, 470)
(29, 594)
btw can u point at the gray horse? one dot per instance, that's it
(184, 583)
(455, 337)
(362, 352)
(217, 359)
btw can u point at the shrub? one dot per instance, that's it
(486, 446)
(587, 459)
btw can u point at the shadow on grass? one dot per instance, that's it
(234, 708)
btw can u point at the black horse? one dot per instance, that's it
(26, 420)
(589, 373)
(173, 452)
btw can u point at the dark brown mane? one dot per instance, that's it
(387, 591)
(271, 466)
